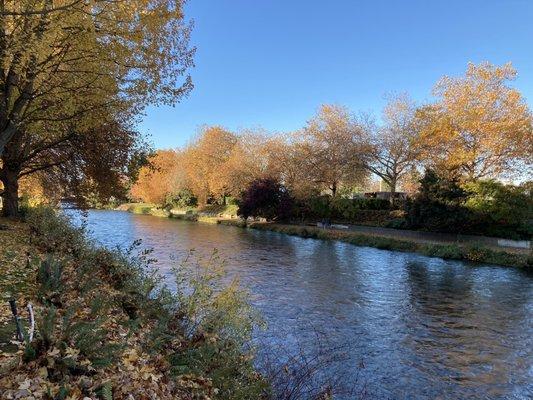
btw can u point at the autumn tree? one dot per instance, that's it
(99, 164)
(162, 177)
(331, 148)
(392, 149)
(289, 165)
(206, 162)
(250, 159)
(479, 126)
(68, 68)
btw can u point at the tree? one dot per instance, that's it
(160, 179)
(506, 210)
(479, 126)
(71, 67)
(206, 162)
(250, 159)
(330, 146)
(98, 164)
(287, 163)
(392, 149)
(266, 198)
(439, 205)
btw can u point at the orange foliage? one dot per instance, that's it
(479, 127)
(206, 162)
(160, 178)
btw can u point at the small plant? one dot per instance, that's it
(49, 275)
(475, 253)
(219, 321)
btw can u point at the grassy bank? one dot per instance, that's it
(204, 213)
(106, 328)
(226, 215)
(447, 251)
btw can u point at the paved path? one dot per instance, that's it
(438, 238)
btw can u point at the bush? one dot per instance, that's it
(438, 206)
(485, 208)
(183, 199)
(140, 208)
(502, 209)
(266, 198)
(219, 321)
(94, 300)
(52, 231)
(358, 211)
(340, 209)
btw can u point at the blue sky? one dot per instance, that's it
(271, 63)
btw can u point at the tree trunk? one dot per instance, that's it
(10, 195)
(392, 186)
(334, 189)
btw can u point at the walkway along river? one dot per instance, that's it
(405, 326)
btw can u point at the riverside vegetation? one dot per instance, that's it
(465, 252)
(441, 205)
(106, 327)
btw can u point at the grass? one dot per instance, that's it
(447, 251)
(105, 323)
(226, 215)
(137, 208)
(229, 210)
(206, 214)
(17, 276)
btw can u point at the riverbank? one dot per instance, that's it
(106, 328)
(473, 252)
(204, 214)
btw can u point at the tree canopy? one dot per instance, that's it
(331, 148)
(392, 149)
(70, 68)
(479, 126)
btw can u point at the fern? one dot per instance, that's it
(105, 392)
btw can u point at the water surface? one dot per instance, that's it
(405, 326)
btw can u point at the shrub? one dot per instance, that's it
(438, 206)
(219, 321)
(53, 232)
(480, 208)
(266, 198)
(140, 208)
(503, 210)
(183, 199)
(49, 278)
(342, 209)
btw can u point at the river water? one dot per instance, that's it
(395, 325)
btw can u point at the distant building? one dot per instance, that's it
(386, 195)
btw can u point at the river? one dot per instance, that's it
(396, 325)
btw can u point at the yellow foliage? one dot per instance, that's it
(160, 178)
(479, 126)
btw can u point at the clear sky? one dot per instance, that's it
(271, 63)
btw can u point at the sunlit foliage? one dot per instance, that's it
(479, 126)
(161, 178)
(70, 68)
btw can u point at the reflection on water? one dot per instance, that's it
(422, 327)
